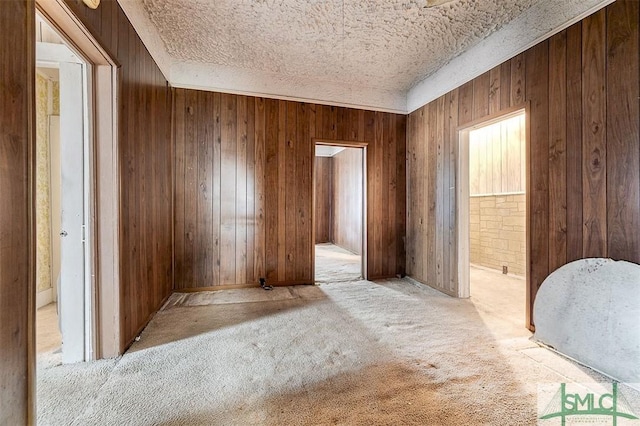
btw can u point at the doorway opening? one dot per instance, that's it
(339, 213)
(493, 206)
(62, 197)
(76, 192)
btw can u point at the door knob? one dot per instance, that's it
(63, 233)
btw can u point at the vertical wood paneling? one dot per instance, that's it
(430, 211)
(482, 164)
(258, 222)
(304, 231)
(377, 200)
(505, 85)
(250, 173)
(537, 92)
(419, 231)
(282, 190)
(401, 194)
(495, 90)
(303, 164)
(132, 173)
(623, 163)
(384, 174)
(240, 158)
(179, 187)
(412, 190)
(346, 200)
(271, 181)
(312, 120)
(481, 95)
(574, 141)
(216, 170)
(205, 184)
(259, 185)
(583, 149)
(450, 189)
(17, 250)
(228, 189)
(517, 80)
(439, 193)
(291, 199)
(392, 205)
(594, 132)
(557, 150)
(465, 104)
(146, 169)
(323, 189)
(495, 157)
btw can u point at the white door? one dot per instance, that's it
(70, 171)
(71, 298)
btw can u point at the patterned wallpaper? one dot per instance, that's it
(47, 103)
(55, 92)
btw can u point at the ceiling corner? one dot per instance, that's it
(541, 21)
(149, 35)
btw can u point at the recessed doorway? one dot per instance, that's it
(493, 206)
(339, 213)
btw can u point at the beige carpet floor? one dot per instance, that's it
(351, 353)
(496, 295)
(335, 264)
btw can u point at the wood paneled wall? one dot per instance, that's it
(17, 237)
(347, 199)
(145, 156)
(324, 198)
(581, 86)
(497, 157)
(243, 187)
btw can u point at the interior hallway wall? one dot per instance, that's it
(324, 196)
(145, 158)
(244, 187)
(347, 200)
(582, 88)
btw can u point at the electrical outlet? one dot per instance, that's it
(505, 269)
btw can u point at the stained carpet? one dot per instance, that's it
(351, 353)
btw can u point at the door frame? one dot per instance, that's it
(103, 185)
(463, 194)
(344, 144)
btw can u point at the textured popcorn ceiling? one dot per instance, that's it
(382, 54)
(388, 44)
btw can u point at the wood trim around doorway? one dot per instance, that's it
(104, 186)
(346, 144)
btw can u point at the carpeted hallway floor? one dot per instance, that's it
(335, 264)
(352, 353)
